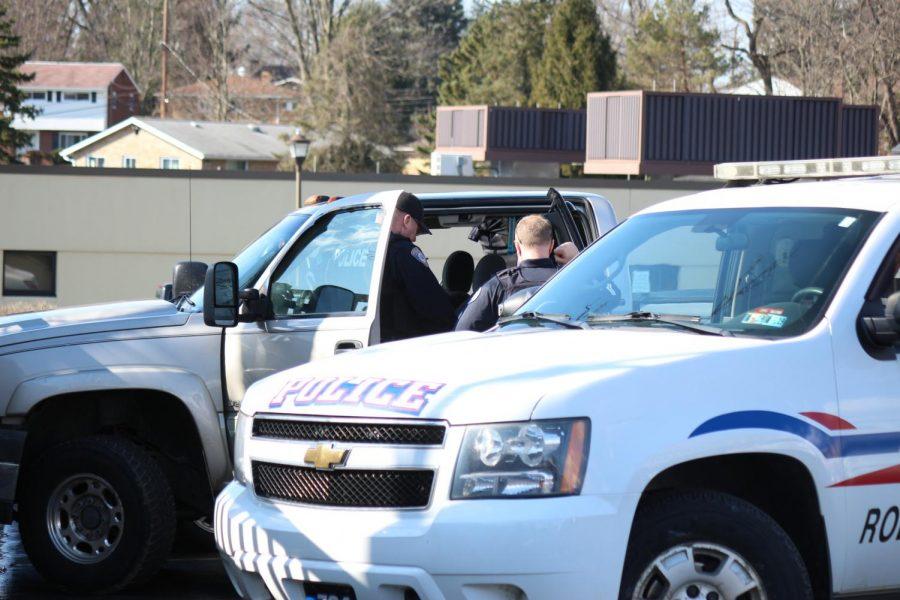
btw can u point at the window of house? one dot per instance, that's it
(64, 140)
(129, 162)
(236, 165)
(35, 95)
(78, 96)
(167, 162)
(27, 273)
(96, 161)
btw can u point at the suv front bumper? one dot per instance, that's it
(570, 547)
(12, 442)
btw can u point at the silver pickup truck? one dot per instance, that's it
(116, 420)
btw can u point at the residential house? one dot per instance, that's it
(261, 98)
(149, 143)
(75, 101)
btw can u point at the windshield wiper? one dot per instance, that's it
(684, 322)
(562, 320)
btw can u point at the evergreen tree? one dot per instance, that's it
(577, 57)
(675, 48)
(11, 96)
(497, 56)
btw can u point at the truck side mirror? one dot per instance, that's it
(885, 331)
(220, 295)
(509, 306)
(187, 277)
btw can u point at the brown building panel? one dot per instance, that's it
(663, 133)
(505, 133)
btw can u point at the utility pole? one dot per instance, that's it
(164, 92)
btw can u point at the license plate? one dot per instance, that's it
(328, 591)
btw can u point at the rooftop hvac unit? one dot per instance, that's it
(452, 164)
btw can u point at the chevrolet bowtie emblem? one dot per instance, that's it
(324, 457)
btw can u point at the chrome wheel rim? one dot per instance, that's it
(699, 571)
(85, 518)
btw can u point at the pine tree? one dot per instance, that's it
(11, 96)
(496, 58)
(675, 48)
(577, 58)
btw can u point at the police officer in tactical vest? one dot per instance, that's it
(413, 303)
(536, 264)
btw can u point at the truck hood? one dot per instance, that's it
(81, 320)
(469, 377)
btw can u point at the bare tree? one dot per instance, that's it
(300, 27)
(752, 51)
(46, 29)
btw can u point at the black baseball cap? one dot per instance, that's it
(412, 206)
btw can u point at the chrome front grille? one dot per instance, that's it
(372, 432)
(361, 488)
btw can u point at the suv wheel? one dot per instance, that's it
(96, 514)
(710, 546)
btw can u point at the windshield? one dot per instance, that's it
(753, 271)
(253, 260)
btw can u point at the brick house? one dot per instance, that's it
(150, 143)
(261, 98)
(75, 100)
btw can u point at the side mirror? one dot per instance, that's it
(220, 295)
(187, 277)
(885, 331)
(509, 306)
(164, 292)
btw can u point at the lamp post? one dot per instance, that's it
(299, 150)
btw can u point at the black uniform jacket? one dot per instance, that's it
(482, 311)
(413, 303)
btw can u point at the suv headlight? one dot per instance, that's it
(242, 471)
(516, 460)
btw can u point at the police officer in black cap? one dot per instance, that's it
(537, 262)
(413, 303)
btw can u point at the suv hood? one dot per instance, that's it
(469, 377)
(98, 318)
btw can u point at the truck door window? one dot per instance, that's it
(329, 270)
(888, 280)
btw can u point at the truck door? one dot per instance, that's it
(563, 220)
(322, 296)
(868, 382)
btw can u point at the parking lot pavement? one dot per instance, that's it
(194, 573)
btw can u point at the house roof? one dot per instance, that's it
(240, 87)
(72, 75)
(780, 87)
(206, 140)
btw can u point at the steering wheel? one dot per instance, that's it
(811, 292)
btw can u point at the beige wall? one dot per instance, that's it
(145, 147)
(118, 233)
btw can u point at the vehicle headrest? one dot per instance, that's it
(807, 258)
(458, 271)
(488, 266)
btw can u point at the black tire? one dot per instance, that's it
(148, 527)
(683, 518)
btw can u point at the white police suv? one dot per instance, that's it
(704, 404)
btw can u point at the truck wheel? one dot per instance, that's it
(710, 546)
(96, 514)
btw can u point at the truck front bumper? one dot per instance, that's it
(12, 442)
(570, 547)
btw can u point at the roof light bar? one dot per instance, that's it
(810, 169)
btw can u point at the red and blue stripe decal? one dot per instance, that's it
(830, 445)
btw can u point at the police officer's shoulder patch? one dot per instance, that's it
(419, 255)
